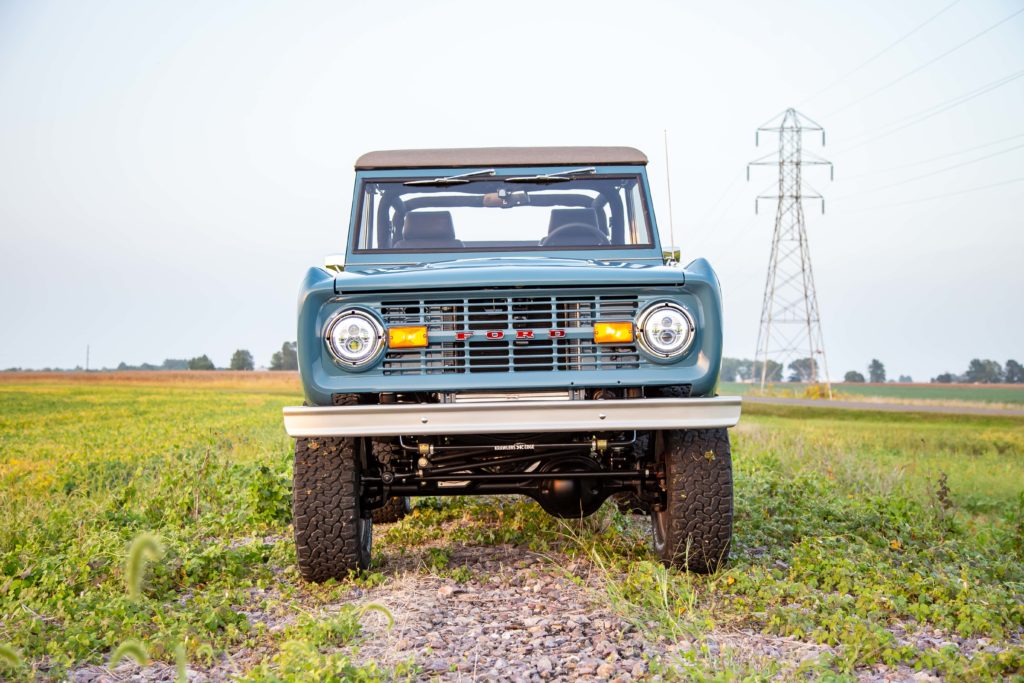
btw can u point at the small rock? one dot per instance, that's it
(446, 591)
(606, 670)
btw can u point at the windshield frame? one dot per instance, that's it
(370, 257)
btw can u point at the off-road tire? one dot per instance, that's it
(694, 530)
(396, 507)
(332, 538)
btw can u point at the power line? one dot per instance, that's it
(935, 110)
(940, 196)
(931, 159)
(710, 226)
(927, 64)
(929, 174)
(703, 225)
(871, 59)
(958, 99)
(738, 177)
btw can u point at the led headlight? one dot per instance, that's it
(354, 338)
(665, 329)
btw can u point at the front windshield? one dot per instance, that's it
(485, 211)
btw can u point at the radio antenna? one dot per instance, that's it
(668, 184)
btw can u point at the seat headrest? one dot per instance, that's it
(560, 217)
(428, 225)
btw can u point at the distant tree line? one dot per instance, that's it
(876, 374)
(202, 362)
(746, 370)
(285, 359)
(805, 370)
(168, 364)
(985, 371)
(242, 359)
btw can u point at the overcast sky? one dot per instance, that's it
(168, 170)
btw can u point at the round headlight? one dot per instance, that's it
(354, 338)
(666, 330)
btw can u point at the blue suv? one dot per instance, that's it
(504, 321)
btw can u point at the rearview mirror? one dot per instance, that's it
(506, 199)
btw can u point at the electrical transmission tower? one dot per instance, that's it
(790, 321)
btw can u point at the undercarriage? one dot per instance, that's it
(569, 475)
(348, 479)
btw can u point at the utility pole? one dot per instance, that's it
(87, 358)
(790, 319)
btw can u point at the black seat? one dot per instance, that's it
(428, 230)
(574, 227)
(560, 217)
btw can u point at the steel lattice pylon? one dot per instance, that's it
(790, 319)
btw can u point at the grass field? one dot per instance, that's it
(979, 393)
(881, 542)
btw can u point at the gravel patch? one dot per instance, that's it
(521, 616)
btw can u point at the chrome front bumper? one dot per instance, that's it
(496, 417)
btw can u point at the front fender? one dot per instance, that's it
(702, 282)
(316, 289)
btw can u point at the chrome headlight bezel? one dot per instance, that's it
(644, 334)
(375, 338)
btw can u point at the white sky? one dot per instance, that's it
(168, 170)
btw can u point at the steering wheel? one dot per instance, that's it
(575, 234)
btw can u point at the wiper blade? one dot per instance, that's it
(460, 179)
(560, 177)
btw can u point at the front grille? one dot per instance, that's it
(509, 314)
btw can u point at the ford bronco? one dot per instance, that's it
(504, 321)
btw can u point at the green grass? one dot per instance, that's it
(87, 468)
(850, 526)
(906, 392)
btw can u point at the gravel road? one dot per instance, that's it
(522, 616)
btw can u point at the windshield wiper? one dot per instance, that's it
(560, 177)
(460, 179)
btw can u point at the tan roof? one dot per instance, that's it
(500, 156)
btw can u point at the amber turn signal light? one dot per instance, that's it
(613, 333)
(407, 337)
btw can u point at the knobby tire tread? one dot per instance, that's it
(325, 507)
(699, 505)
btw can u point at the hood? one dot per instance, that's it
(507, 272)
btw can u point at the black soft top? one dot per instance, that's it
(500, 156)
